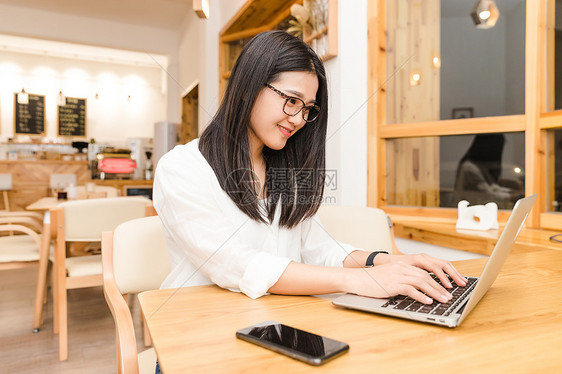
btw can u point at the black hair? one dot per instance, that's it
(301, 163)
(486, 153)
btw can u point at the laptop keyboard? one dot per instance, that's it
(401, 302)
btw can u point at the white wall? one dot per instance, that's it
(109, 118)
(199, 55)
(62, 27)
(347, 123)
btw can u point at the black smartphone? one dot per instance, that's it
(298, 344)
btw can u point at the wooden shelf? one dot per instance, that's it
(257, 16)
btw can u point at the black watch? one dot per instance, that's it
(371, 258)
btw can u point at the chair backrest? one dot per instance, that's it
(107, 190)
(85, 220)
(5, 182)
(135, 259)
(140, 255)
(58, 180)
(362, 227)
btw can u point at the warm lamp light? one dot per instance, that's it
(23, 97)
(436, 61)
(202, 8)
(485, 14)
(415, 78)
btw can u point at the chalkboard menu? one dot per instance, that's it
(30, 118)
(72, 117)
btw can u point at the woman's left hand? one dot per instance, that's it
(439, 267)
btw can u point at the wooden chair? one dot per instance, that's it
(24, 247)
(5, 186)
(20, 249)
(135, 259)
(362, 227)
(29, 221)
(99, 191)
(84, 221)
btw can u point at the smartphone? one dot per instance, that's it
(298, 344)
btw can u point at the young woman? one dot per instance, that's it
(238, 205)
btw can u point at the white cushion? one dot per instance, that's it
(83, 265)
(85, 220)
(140, 255)
(147, 361)
(362, 227)
(18, 248)
(5, 182)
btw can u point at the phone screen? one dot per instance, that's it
(302, 345)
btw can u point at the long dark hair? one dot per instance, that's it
(486, 153)
(300, 164)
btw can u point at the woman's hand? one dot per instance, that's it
(396, 278)
(426, 262)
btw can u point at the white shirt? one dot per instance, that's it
(210, 240)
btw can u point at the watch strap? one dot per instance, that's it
(371, 258)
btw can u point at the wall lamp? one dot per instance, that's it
(202, 8)
(485, 14)
(23, 97)
(61, 99)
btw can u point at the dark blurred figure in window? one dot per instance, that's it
(478, 177)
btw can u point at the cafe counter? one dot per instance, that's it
(30, 179)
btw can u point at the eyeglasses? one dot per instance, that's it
(294, 105)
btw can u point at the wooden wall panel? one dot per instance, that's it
(413, 171)
(413, 39)
(30, 179)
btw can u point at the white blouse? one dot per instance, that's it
(210, 240)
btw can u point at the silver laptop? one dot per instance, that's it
(464, 299)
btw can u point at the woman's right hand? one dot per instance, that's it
(393, 279)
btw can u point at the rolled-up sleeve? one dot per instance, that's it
(196, 227)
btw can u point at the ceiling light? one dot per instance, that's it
(485, 14)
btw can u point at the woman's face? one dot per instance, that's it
(269, 125)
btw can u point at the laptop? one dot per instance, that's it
(464, 299)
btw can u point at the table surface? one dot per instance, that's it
(44, 203)
(193, 329)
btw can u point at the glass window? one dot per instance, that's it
(441, 66)
(554, 174)
(441, 171)
(555, 61)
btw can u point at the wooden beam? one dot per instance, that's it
(534, 148)
(455, 127)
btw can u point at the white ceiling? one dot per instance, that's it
(167, 14)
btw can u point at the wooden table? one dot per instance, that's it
(193, 329)
(44, 204)
(443, 232)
